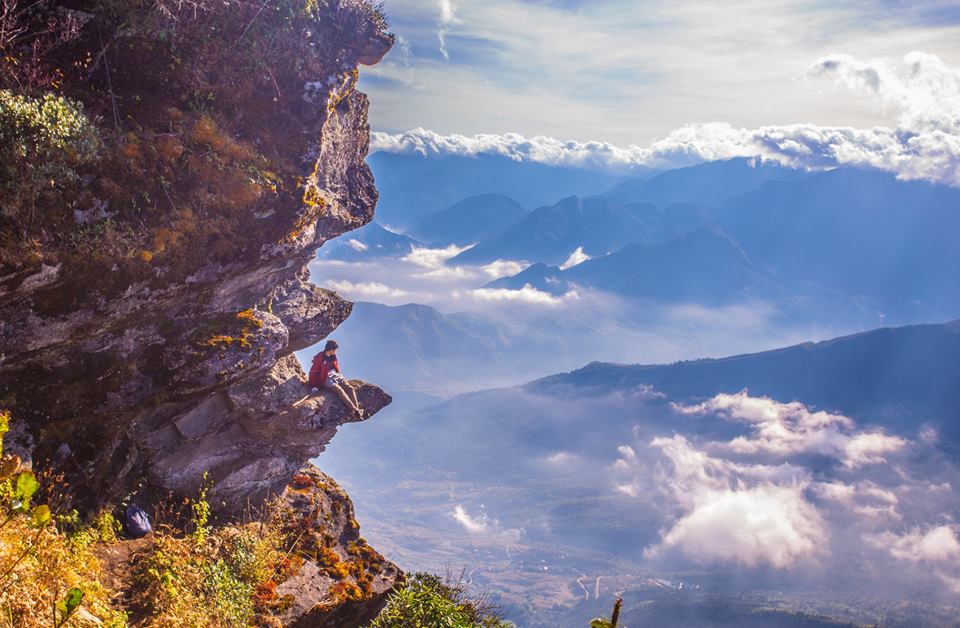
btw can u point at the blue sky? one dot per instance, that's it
(631, 72)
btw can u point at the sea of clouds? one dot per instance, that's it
(798, 492)
(922, 96)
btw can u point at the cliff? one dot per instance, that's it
(174, 167)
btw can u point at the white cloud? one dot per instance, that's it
(526, 294)
(365, 290)
(356, 245)
(694, 472)
(836, 491)
(786, 429)
(736, 316)
(561, 457)
(935, 548)
(925, 98)
(870, 448)
(577, 257)
(447, 17)
(483, 525)
(432, 258)
(447, 13)
(935, 545)
(751, 515)
(924, 144)
(881, 494)
(503, 268)
(865, 498)
(765, 525)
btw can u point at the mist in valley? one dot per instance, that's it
(810, 479)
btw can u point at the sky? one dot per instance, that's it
(625, 71)
(629, 76)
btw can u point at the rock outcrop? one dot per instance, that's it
(347, 581)
(147, 338)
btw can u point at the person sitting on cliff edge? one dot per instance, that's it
(325, 373)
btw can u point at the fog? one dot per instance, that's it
(528, 333)
(775, 496)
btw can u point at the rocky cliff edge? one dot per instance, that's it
(155, 283)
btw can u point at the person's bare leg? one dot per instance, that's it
(353, 391)
(345, 398)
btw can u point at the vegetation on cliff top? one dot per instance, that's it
(146, 138)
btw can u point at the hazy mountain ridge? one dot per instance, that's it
(414, 186)
(708, 183)
(470, 220)
(704, 265)
(840, 241)
(876, 375)
(860, 231)
(551, 233)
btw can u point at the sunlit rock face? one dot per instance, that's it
(232, 146)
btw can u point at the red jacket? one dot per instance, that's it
(321, 367)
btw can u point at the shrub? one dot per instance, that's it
(45, 574)
(223, 576)
(43, 140)
(427, 601)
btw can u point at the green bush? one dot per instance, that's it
(43, 139)
(229, 596)
(427, 601)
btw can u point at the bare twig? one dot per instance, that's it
(252, 20)
(113, 97)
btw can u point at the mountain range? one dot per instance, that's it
(900, 377)
(551, 233)
(704, 265)
(862, 232)
(413, 186)
(473, 219)
(709, 183)
(859, 236)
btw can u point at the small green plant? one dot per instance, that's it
(107, 526)
(601, 622)
(65, 608)
(427, 600)
(38, 561)
(229, 595)
(200, 513)
(181, 583)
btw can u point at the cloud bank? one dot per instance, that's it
(749, 515)
(923, 98)
(789, 489)
(785, 429)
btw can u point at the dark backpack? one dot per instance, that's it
(136, 522)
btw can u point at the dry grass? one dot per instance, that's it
(50, 564)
